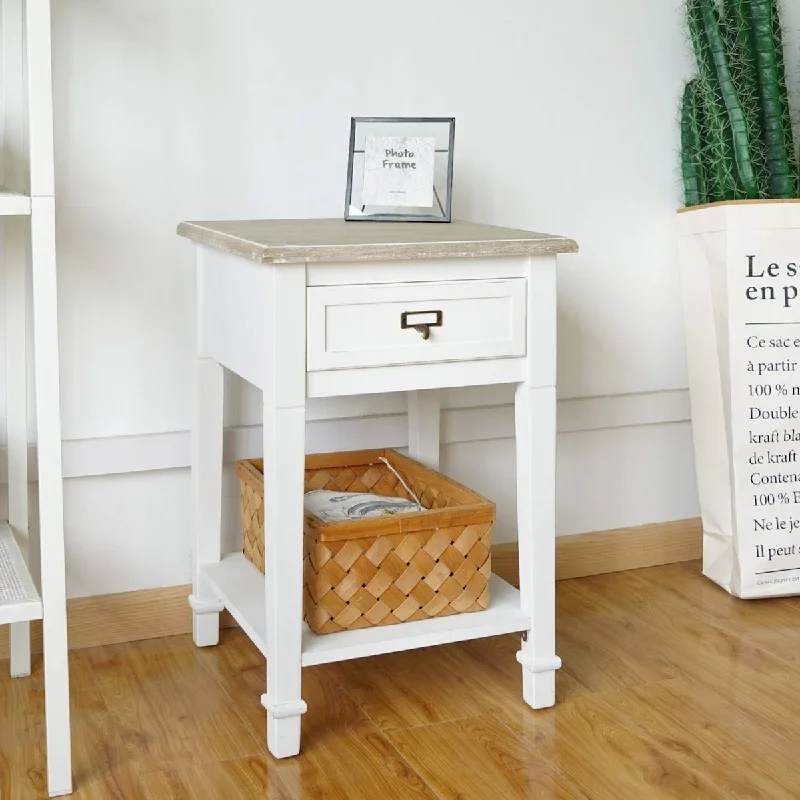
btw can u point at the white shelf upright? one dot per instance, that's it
(32, 574)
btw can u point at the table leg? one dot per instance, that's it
(284, 472)
(284, 464)
(536, 450)
(207, 434)
(20, 649)
(423, 427)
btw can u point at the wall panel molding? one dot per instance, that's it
(371, 422)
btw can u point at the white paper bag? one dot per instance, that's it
(740, 275)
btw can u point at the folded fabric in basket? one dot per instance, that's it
(336, 506)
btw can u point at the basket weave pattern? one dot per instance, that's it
(383, 580)
(382, 571)
(252, 503)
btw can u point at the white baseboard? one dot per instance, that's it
(480, 414)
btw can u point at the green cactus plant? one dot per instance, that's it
(692, 122)
(736, 130)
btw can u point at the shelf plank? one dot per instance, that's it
(19, 600)
(14, 204)
(240, 586)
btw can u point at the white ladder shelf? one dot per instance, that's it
(32, 573)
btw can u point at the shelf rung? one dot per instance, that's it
(14, 204)
(19, 600)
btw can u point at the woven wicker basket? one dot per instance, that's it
(382, 570)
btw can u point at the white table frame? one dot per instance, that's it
(251, 319)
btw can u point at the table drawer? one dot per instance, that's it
(415, 323)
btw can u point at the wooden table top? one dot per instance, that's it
(289, 241)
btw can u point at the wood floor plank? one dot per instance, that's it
(101, 769)
(404, 690)
(670, 688)
(440, 684)
(221, 780)
(479, 758)
(665, 636)
(609, 760)
(166, 707)
(581, 739)
(763, 716)
(668, 714)
(772, 623)
(595, 646)
(344, 755)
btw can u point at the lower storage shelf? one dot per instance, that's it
(240, 586)
(19, 599)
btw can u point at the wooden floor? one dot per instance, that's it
(670, 688)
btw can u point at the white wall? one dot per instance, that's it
(194, 109)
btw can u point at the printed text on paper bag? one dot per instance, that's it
(771, 276)
(773, 464)
(772, 469)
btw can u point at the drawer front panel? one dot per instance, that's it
(415, 323)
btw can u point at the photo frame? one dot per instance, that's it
(400, 169)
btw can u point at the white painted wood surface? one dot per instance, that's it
(16, 259)
(232, 325)
(438, 375)
(295, 342)
(19, 640)
(360, 326)
(424, 427)
(358, 273)
(207, 504)
(14, 204)
(28, 176)
(535, 407)
(284, 464)
(39, 98)
(13, 201)
(51, 497)
(19, 599)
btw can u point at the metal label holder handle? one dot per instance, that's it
(422, 328)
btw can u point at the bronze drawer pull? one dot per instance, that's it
(422, 328)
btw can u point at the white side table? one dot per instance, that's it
(322, 308)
